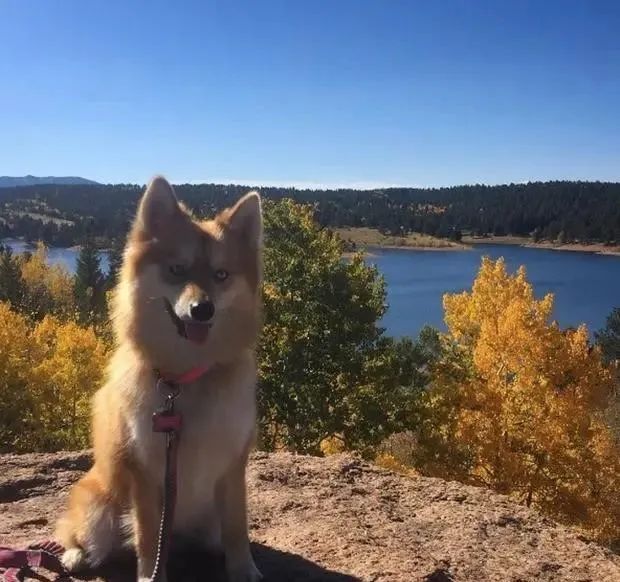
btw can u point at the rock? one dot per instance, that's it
(339, 519)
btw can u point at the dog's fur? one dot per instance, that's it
(218, 409)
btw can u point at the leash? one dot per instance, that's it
(169, 422)
(16, 565)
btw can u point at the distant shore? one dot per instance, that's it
(367, 239)
(594, 248)
(32, 245)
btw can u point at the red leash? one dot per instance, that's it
(15, 565)
(19, 563)
(168, 421)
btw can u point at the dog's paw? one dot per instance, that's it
(142, 578)
(74, 560)
(244, 572)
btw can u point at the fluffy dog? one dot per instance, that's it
(188, 298)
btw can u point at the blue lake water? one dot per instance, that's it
(586, 286)
(59, 256)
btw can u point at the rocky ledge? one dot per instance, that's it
(341, 519)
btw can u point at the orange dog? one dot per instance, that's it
(188, 297)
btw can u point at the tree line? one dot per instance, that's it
(560, 211)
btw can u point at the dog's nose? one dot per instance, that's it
(202, 310)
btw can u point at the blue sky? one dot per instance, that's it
(316, 92)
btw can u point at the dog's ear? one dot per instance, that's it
(158, 208)
(246, 219)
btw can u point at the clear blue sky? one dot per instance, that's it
(311, 92)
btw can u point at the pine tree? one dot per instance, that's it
(608, 338)
(89, 283)
(11, 284)
(115, 259)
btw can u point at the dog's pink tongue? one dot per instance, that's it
(196, 332)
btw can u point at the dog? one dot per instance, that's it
(188, 296)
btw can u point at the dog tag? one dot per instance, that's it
(166, 421)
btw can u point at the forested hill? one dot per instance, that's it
(8, 181)
(563, 211)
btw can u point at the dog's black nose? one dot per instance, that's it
(202, 310)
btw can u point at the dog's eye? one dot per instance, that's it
(179, 271)
(221, 275)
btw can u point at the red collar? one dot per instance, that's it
(185, 378)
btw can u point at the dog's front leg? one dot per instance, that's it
(231, 496)
(146, 516)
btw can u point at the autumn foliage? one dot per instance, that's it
(516, 404)
(48, 372)
(49, 364)
(47, 289)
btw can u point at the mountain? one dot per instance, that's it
(12, 181)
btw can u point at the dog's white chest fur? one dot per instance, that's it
(218, 420)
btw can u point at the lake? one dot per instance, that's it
(56, 255)
(586, 286)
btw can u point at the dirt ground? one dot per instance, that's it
(340, 520)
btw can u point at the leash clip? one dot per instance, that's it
(170, 391)
(166, 419)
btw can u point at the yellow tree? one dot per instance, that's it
(69, 363)
(516, 404)
(17, 417)
(48, 372)
(48, 288)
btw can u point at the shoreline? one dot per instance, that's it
(593, 248)
(366, 238)
(367, 250)
(32, 245)
(454, 247)
(466, 244)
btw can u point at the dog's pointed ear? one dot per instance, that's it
(158, 207)
(246, 218)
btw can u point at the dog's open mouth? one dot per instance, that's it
(190, 330)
